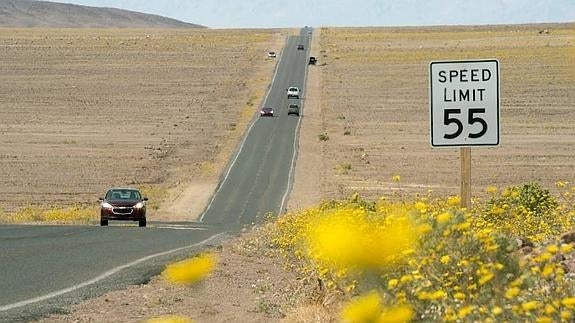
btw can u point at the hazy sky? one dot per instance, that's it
(294, 13)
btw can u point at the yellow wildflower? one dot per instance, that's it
(460, 296)
(366, 308)
(543, 319)
(464, 311)
(421, 207)
(399, 314)
(439, 294)
(405, 279)
(552, 249)
(568, 302)
(485, 278)
(529, 306)
(423, 228)
(443, 218)
(392, 283)
(512, 292)
(491, 190)
(497, 310)
(549, 309)
(445, 259)
(566, 315)
(453, 200)
(561, 184)
(566, 248)
(396, 178)
(190, 271)
(548, 270)
(169, 319)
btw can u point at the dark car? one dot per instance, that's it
(266, 112)
(293, 109)
(300, 47)
(125, 204)
(312, 60)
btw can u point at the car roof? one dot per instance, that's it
(123, 189)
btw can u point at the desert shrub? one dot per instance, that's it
(343, 168)
(323, 137)
(526, 211)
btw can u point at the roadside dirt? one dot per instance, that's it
(372, 104)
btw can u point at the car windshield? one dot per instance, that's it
(293, 89)
(123, 195)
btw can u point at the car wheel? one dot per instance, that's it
(103, 223)
(142, 223)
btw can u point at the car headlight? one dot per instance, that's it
(139, 205)
(106, 205)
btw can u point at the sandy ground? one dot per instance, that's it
(375, 108)
(83, 110)
(369, 95)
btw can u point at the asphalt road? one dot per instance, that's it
(44, 268)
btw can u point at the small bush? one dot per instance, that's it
(323, 137)
(343, 168)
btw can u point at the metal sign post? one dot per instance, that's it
(464, 110)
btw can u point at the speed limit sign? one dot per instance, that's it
(464, 103)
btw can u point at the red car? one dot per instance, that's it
(125, 204)
(266, 112)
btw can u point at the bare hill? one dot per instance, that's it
(29, 13)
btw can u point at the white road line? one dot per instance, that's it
(239, 150)
(181, 228)
(101, 277)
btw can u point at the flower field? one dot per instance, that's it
(426, 259)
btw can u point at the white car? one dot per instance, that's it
(293, 92)
(272, 54)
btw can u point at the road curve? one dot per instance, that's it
(44, 268)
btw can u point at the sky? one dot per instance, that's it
(317, 13)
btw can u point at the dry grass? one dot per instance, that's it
(375, 89)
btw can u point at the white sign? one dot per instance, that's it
(464, 103)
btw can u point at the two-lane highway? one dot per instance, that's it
(259, 176)
(43, 268)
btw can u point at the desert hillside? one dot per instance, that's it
(29, 13)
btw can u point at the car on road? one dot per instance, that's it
(293, 109)
(266, 112)
(293, 92)
(272, 54)
(300, 47)
(312, 60)
(126, 204)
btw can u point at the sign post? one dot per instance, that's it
(464, 110)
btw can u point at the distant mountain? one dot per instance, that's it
(30, 13)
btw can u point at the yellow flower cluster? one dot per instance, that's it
(436, 261)
(191, 270)
(368, 308)
(76, 214)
